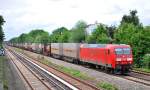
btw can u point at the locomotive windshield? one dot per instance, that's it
(126, 50)
(119, 51)
(122, 50)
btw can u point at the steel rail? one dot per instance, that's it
(48, 76)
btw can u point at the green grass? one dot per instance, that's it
(19, 50)
(143, 70)
(1, 68)
(70, 71)
(106, 86)
(2, 73)
(75, 73)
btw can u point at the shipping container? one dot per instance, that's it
(71, 50)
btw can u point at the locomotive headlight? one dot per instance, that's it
(118, 59)
(129, 59)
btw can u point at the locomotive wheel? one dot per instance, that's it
(99, 67)
(112, 71)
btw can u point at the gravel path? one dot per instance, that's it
(121, 83)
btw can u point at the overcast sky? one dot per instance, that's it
(22, 16)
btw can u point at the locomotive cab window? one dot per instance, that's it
(122, 50)
(118, 51)
(126, 50)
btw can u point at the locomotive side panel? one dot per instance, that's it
(94, 53)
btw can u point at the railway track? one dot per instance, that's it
(140, 72)
(32, 80)
(55, 84)
(138, 77)
(132, 76)
(76, 82)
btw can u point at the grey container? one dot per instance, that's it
(37, 47)
(71, 50)
(40, 48)
(33, 46)
(56, 49)
(25, 45)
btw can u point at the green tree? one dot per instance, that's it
(146, 61)
(39, 36)
(78, 32)
(1, 29)
(29, 38)
(54, 38)
(111, 30)
(22, 38)
(99, 35)
(145, 40)
(64, 38)
(14, 40)
(59, 35)
(1, 20)
(131, 18)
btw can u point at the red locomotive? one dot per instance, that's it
(116, 58)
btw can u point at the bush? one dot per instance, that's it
(146, 61)
(106, 86)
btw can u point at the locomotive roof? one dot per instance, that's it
(101, 45)
(94, 45)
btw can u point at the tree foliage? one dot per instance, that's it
(78, 32)
(99, 35)
(146, 61)
(131, 32)
(35, 36)
(39, 36)
(1, 29)
(64, 38)
(132, 18)
(110, 31)
(59, 35)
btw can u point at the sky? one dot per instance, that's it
(22, 16)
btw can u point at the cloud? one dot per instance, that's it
(21, 16)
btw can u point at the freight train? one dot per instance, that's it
(114, 58)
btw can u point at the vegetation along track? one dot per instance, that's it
(74, 81)
(33, 81)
